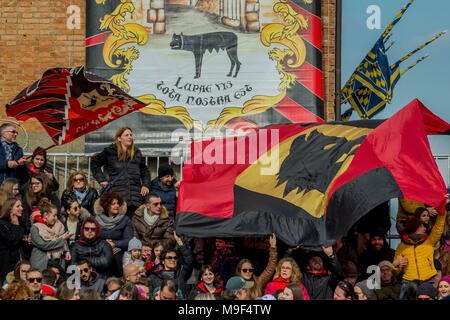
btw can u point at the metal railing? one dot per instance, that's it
(63, 164)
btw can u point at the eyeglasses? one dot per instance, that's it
(90, 229)
(31, 280)
(156, 204)
(78, 179)
(85, 270)
(12, 131)
(171, 257)
(248, 270)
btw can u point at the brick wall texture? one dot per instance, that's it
(34, 37)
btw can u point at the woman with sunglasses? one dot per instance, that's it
(72, 217)
(246, 270)
(174, 268)
(11, 235)
(78, 189)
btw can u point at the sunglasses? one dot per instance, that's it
(38, 280)
(171, 257)
(90, 229)
(85, 270)
(248, 270)
(13, 131)
(78, 179)
(156, 204)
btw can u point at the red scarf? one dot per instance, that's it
(38, 218)
(202, 287)
(33, 169)
(323, 271)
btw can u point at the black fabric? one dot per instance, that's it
(130, 183)
(87, 203)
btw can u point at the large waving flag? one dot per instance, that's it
(371, 86)
(69, 102)
(309, 183)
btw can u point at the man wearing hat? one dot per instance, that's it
(390, 287)
(426, 291)
(237, 289)
(165, 185)
(414, 257)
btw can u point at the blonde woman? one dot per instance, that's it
(287, 272)
(78, 189)
(128, 173)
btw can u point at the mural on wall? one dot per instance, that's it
(212, 65)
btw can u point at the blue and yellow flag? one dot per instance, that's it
(371, 86)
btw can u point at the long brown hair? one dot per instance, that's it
(7, 207)
(33, 199)
(6, 189)
(124, 155)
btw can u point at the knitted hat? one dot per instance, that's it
(445, 279)
(165, 169)
(385, 263)
(412, 225)
(427, 289)
(134, 243)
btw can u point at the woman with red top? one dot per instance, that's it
(208, 282)
(287, 272)
(38, 163)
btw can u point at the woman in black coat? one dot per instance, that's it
(11, 235)
(123, 157)
(78, 190)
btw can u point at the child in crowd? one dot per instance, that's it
(49, 237)
(133, 255)
(154, 263)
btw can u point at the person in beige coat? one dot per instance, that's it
(152, 223)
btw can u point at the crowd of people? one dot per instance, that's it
(120, 242)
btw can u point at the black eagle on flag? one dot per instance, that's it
(309, 183)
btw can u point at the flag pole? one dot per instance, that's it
(36, 153)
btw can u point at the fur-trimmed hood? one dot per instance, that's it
(140, 211)
(98, 209)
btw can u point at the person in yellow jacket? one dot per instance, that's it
(414, 257)
(406, 210)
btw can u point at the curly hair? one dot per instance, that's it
(17, 290)
(296, 273)
(107, 199)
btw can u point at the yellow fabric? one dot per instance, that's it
(406, 209)
(420, 257)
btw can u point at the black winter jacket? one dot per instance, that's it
(87, 203)
(130, 183)
(181, 274)
(10, 241)
(321, 285)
